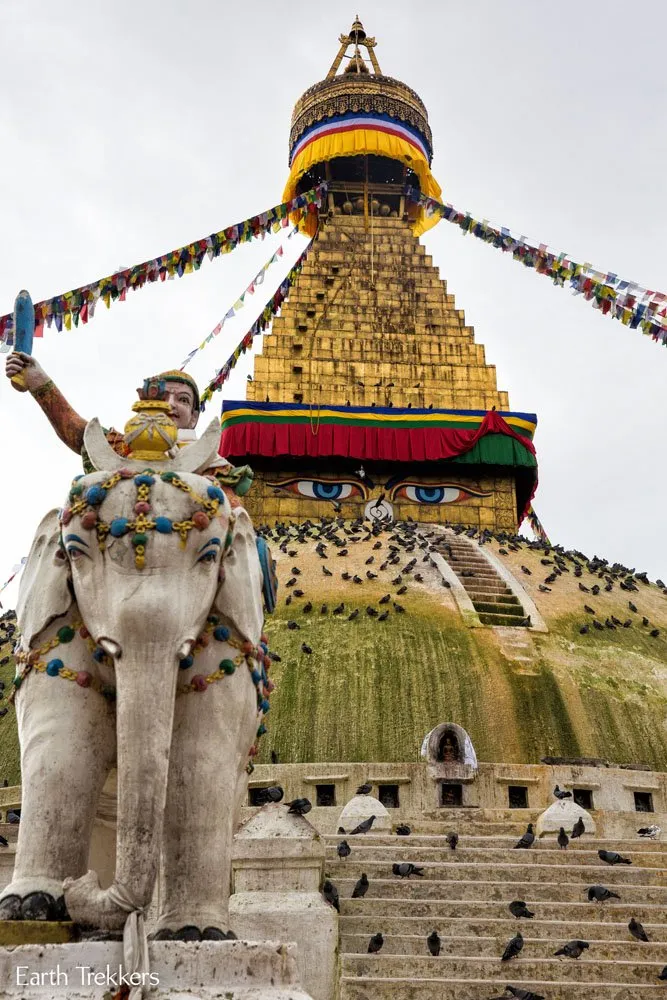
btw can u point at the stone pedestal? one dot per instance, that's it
(277, 870)
(362, 807)
(235, 970)
(565, 813)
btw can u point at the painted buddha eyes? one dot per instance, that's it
(411, 490)
(322, 489)
(433, 493)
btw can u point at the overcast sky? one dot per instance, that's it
(129, 129)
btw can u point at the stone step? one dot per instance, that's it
(480, 594)
(489, 619)
(464, 858)
(655, 849)
(540, 892)
(466, 928)
(552, 970)
(445, 908)
(624, 948)
(378, 988)
(499, 609)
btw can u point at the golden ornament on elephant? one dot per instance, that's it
(151, 434)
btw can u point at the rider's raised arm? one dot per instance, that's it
(66, 422)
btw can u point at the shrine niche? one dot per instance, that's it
(451, 757)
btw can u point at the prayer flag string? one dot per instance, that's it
(240, 302)
(630, 303)
(264, 320)
(79, 304)
(14, 573)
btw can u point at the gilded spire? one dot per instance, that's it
(357, 37)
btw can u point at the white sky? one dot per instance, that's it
(129, 129)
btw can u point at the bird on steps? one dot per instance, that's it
(637, 930)
(519, 909)
(433, 943)
(513, 947)
(527, 839)
(598, 894)
(573, 949)
(563, 839)
(361, 887)
(578, 829)
(375, 943)
(613, 858)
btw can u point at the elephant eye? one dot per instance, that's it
(74, 552)
(208, 557)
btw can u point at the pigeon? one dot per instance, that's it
(361, 887)
(578, 829)
(330, 893)
(305, 648)
(324, 610)
(3, 841)
(433, 943)
(383, 617)
(637, 930)
(340, 830)
(403, 830)
(406, 869)
(632, 607)
(573, 949)
(528, 572)
(274, 757)
(613, 858)
(513, 947)
(375, 943)
(563, 839)
(364, 789)
(365, 826)
(371, 612)
(520, 994)
(598, 894)
(519, 909)
(292, 626)
(452, 840)
(385, 600)
(339, 609)
(649, 831)
(527, 839)
(299, 807)
(343, 850)
(663, 974)
(264, 795)
(398, 608)
(655, 632)
(308, 607)
(296, 571)
(327, 572)
(560, 793)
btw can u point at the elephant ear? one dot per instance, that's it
(239, 596)
(44, 592)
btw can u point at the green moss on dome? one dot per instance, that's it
(10, 757)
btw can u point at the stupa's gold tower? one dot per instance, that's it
(371, 361)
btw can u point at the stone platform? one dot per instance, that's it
(209, 970)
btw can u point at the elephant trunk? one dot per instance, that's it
(146, 688)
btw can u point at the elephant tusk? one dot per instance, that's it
(111, 647)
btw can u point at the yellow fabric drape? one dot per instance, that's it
(357, 142)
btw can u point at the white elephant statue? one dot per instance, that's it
(141, 617)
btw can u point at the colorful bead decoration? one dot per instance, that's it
(81, 502)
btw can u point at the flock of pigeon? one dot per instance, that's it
(336, 536)
(518, 908)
